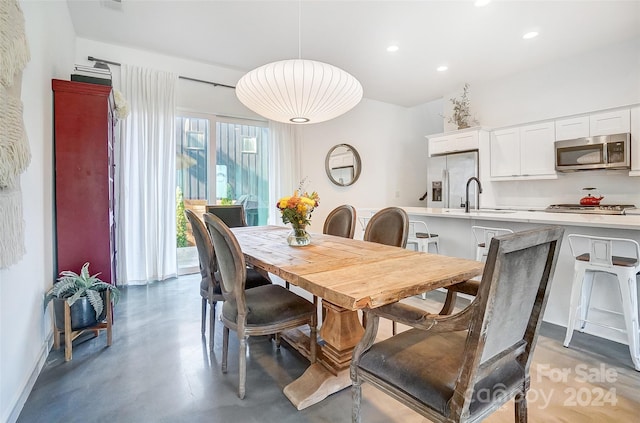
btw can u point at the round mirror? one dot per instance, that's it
(343, 165)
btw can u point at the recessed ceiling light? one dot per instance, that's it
(529, 35)
(391, 49)
(480, 3)
(442, 68)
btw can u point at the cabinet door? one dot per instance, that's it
(439, 145)
(537, 152)
(615, 122)
(569, 129)
(505, 152)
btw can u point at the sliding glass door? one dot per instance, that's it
(219, 161)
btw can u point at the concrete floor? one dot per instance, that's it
(159, 370)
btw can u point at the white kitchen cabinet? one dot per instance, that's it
(607, 123)
(537, 151)
(523, 152)
(505, 153)
(572, 128)
(455, 142)
(635, 141)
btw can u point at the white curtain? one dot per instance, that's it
(146, 178)
(285, 158)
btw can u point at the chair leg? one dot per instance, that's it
(394, 327)
(225, 348)
(109, 307)
(276, 339)
(68, 352)
(242, 366)
(576, 295)
(521, 408)
(212, 325)
(356, 395)
(204, 316)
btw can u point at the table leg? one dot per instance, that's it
(341, 332)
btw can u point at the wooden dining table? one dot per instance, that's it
(348, 275)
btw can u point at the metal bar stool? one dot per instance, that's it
(483, 237)
(597, 255)
(420, 236)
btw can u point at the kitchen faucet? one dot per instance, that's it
(466, 203)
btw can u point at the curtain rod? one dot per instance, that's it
(215, 84)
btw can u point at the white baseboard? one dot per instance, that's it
(22, 396)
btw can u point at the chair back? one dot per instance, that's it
(508, 309)
(389, 226)
(604, 253)
(230, 261)
(341, 222)
(206, 255)
(232, 215)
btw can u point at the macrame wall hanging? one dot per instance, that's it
(14, 146)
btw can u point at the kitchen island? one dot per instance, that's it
(453, 227)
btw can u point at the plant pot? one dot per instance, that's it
(82, 313)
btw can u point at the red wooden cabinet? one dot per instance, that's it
(84, 170)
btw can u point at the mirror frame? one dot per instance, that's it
(358, 164)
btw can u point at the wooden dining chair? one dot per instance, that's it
(463, 367)
(341, 221)
(389, 226)
(264, 310)
(210, 285)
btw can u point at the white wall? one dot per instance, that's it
(192, 96)
(25, 328)
(393, 156)
(596, 80)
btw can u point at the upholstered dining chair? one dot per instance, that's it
(341, 221)
(463, 367)
(232, 215)
(264, 310)
(209, 285)
(388, 226)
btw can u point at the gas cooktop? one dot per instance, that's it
(601, 209)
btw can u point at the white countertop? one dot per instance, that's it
(572, 219)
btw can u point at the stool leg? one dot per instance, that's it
(628, 287)
(576, 295)
(478, 254)
(585, 302)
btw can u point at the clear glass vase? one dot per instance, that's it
(299, 237)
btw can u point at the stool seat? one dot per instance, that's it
(617, 260)
(425, 235)
(421, 237)
(596, 256)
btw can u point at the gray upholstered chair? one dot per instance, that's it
(463, 367)
(341, 222)
(264, 310)
(232, 215)
(210, 284)
(388, 226)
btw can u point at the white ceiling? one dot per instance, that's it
(477, 44)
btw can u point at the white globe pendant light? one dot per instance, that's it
(299, 91)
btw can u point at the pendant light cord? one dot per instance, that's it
(299, 29)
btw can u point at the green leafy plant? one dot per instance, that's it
(72, 286)
(181, 220)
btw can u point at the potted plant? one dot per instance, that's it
(85, 295)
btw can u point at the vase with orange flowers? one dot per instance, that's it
(297, 210)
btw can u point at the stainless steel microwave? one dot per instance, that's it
(603, 152)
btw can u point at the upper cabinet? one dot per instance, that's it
(455, 142)
(593, 125)
(523, 152)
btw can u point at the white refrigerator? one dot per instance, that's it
(447, 178)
